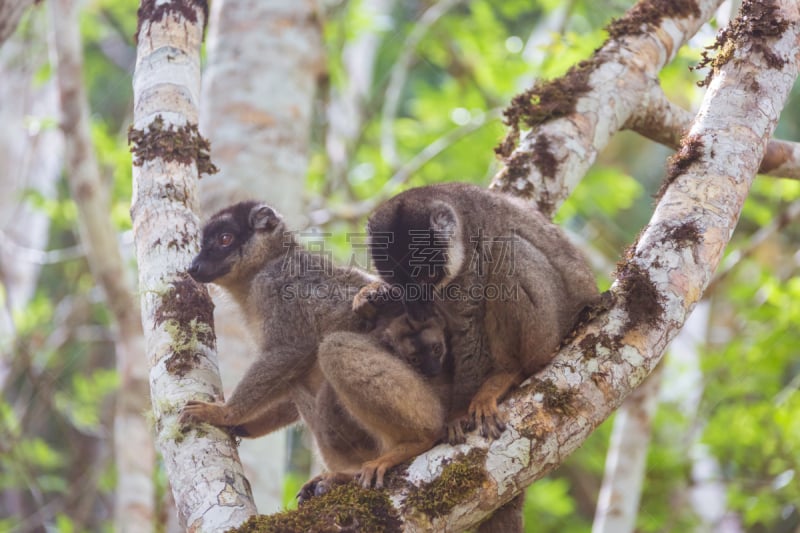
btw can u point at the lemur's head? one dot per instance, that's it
(236, 243)
(416, 239)
(422, 343)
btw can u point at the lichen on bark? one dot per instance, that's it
(183, 144)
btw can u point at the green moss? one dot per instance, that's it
(187, 313)
(184, 345)
(538, 423)
(345, 508)
(457, 483)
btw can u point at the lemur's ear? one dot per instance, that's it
(443, 219)
(263, 218)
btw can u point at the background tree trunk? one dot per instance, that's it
(133, 445)
(264, 58)
(618, 503)
(10, 13)
(30, 154)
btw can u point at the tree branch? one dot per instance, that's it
(397, 80)
(664, 122)
(592, 102)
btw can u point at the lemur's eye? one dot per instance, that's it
(225, 239)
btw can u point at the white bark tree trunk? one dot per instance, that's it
(603, 93)
(10, 13)
(618, 502)
(134, 453)
(208, 484)
(662, 276)
(664, 122)
(264, 58)
(275, 47)
(30, 158)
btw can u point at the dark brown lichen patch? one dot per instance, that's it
(646, 16)
(346, 508)
(185, 301)
(456, 484)
(545, 101)
(591, 342)
(154, 12)
(184, 145)
(691, 150)
(543, 157)
(181, 241)
(687, 232)
(757, 23)
(187, 313)
(513, 178)
(555, 400)
(641, 298)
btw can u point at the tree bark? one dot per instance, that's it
(208, 484)
(30, 158)
(277, 48)
(133, 447)
(618, 502)
(10, 14)
(666, 123)
(258, 95)
(660, 279)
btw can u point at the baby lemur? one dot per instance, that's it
(510, 283)
(413, 423)
(395, 380)
(419, 341)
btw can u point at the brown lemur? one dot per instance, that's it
(395, 380)
(291, 299)
(509, 282)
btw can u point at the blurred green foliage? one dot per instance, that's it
(55, 415)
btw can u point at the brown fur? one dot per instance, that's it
(394, 380)
(292, 299)
(448, 245)
(487, 240)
